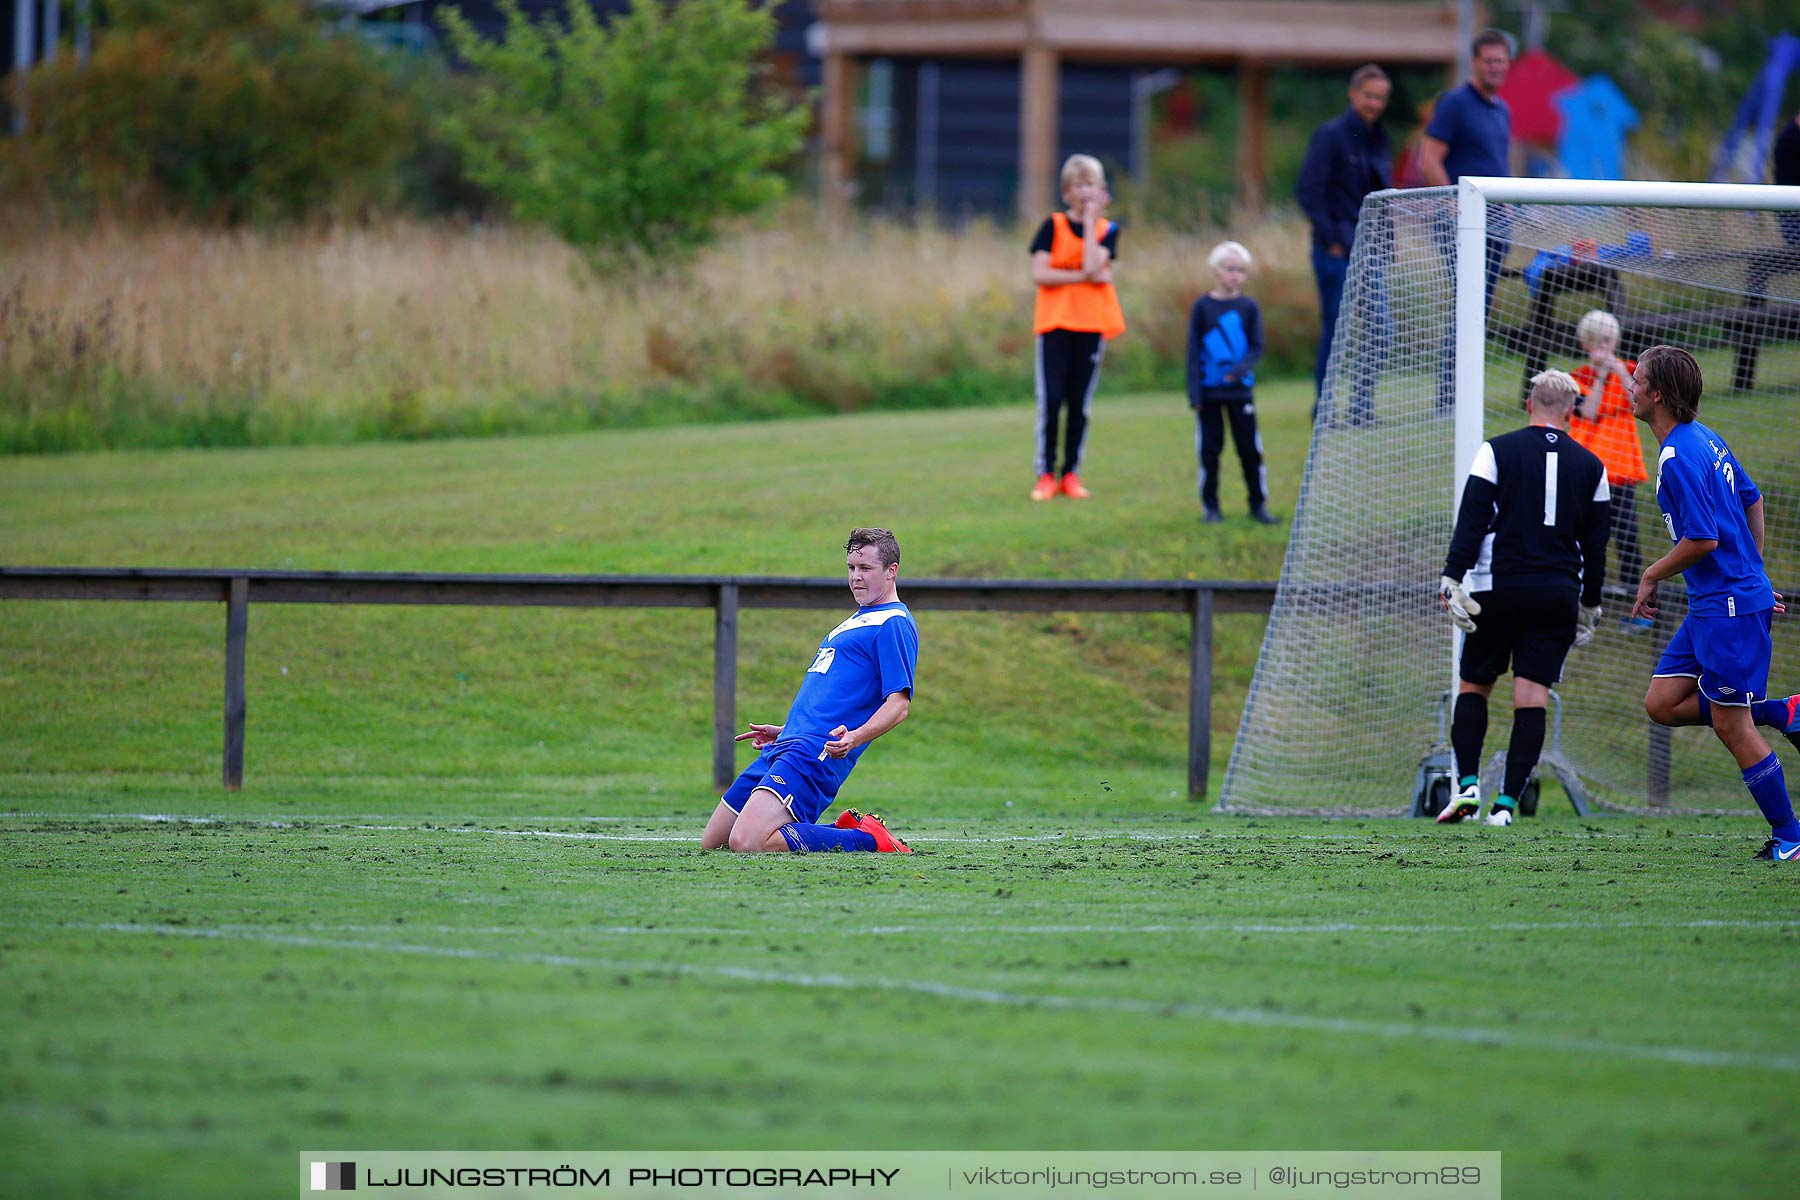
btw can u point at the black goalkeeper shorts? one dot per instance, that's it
(1531, 629)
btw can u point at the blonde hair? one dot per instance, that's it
(1225, 250)
(1555, 390)
(1082, 168)
(1595, 326)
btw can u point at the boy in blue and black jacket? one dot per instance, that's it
(1224, 343)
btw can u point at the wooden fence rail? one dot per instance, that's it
(726, 595)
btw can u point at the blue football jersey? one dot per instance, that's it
(870, 655)
(1703, 491)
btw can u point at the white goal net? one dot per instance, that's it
(1357, 658)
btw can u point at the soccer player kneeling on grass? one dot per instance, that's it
(1522, 581)
(1715, 670)
(858, 687)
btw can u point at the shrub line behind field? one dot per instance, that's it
(177, 336)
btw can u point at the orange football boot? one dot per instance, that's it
(885, 842)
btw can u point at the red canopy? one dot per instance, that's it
(1535, 77)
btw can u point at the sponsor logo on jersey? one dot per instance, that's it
(779, 779)
(1669, 524)
(822, 662)
(1549, 435)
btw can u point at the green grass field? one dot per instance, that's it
(459, 903)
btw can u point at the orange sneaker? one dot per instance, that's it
(1046, 487)
(885, 842)
(848, 819)
(1071, 487)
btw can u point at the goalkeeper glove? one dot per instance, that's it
(1585, 624)
(1462, 606)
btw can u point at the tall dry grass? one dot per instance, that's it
(178, 335)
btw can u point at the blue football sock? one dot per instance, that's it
(1773, 713)
(1768, 787)
(817, 838)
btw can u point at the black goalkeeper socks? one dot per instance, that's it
(1468, 729)
(1522, 754)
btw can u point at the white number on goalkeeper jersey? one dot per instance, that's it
(1550, 488)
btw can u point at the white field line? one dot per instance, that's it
(1195, 929)
(1687, 1056)
(395, 825)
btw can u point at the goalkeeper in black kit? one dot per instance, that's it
(1522, 581)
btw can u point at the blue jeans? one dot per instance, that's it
(1331, 272)
(1499, 246)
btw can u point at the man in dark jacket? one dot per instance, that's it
(1347, 159)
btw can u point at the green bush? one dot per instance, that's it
(219, 109)
(644, 132)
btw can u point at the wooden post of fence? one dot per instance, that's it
(1200, 685)
(237, 628)
(725, 624)
(1039, 71)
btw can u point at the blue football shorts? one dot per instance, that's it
(1729, 656)
(797, 775)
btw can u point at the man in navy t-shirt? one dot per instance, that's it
(1471, 128)
(1715, 670)
(858, 687)
(1470, 134)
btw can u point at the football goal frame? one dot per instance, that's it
(1339, 574)
(1474, 195)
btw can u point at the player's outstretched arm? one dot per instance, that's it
(1685, 554)
(893, 710)
(759, 735)
(1753, 517)
(1472, 517)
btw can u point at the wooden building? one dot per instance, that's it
(1019, 84)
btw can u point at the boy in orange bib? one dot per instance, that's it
(1077, 313)
(1602, 422)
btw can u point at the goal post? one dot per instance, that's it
(1455, 296)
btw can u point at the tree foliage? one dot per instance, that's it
(220, 109)
(645, 131)
(1686, 76)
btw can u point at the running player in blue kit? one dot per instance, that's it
(858, 687)
(1715, 670)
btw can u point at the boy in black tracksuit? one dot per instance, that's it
(1224, 343)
